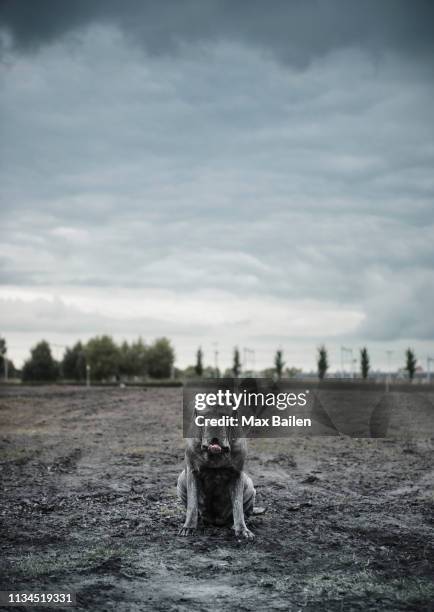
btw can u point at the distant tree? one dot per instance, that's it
(3, 347)
(103, 357)
(74, 363)
(124, 359)
(198, 368)
(279, 363)
(6, 365)
(178, 373)
(410, 363)
(41, 366)
(139, 356)
(3, 352)
(161, 358)
(133, 358)
(322, 361)
(188, 372)
(364, 362)
(236, 368)
(12, 371)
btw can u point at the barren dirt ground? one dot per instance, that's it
(88, 502)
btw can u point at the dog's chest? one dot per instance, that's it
(216, 479)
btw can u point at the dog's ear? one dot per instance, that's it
(195, 430)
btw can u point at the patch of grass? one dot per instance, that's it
(33, 565)
(20, 455)
(169, 512)
(367, 583)
(104, 553)
(139, 451)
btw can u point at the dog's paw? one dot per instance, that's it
(186, 531)
(244, 533)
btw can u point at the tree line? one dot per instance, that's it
(102, 359)
(279, 369)
(365, 366)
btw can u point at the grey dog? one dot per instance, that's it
(213, 484)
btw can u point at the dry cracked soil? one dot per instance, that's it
(88, 503)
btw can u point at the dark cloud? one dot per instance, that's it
(296, 31)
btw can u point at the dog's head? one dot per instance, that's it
(215, 434)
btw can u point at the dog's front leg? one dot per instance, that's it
(237, 495)
(190, 524)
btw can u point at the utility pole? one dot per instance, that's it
(216, 359)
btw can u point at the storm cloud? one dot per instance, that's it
(250, 165)
(296, 31)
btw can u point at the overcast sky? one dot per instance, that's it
(247, 173)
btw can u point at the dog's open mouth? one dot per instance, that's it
(214, 449)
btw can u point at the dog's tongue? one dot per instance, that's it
(214, 449)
